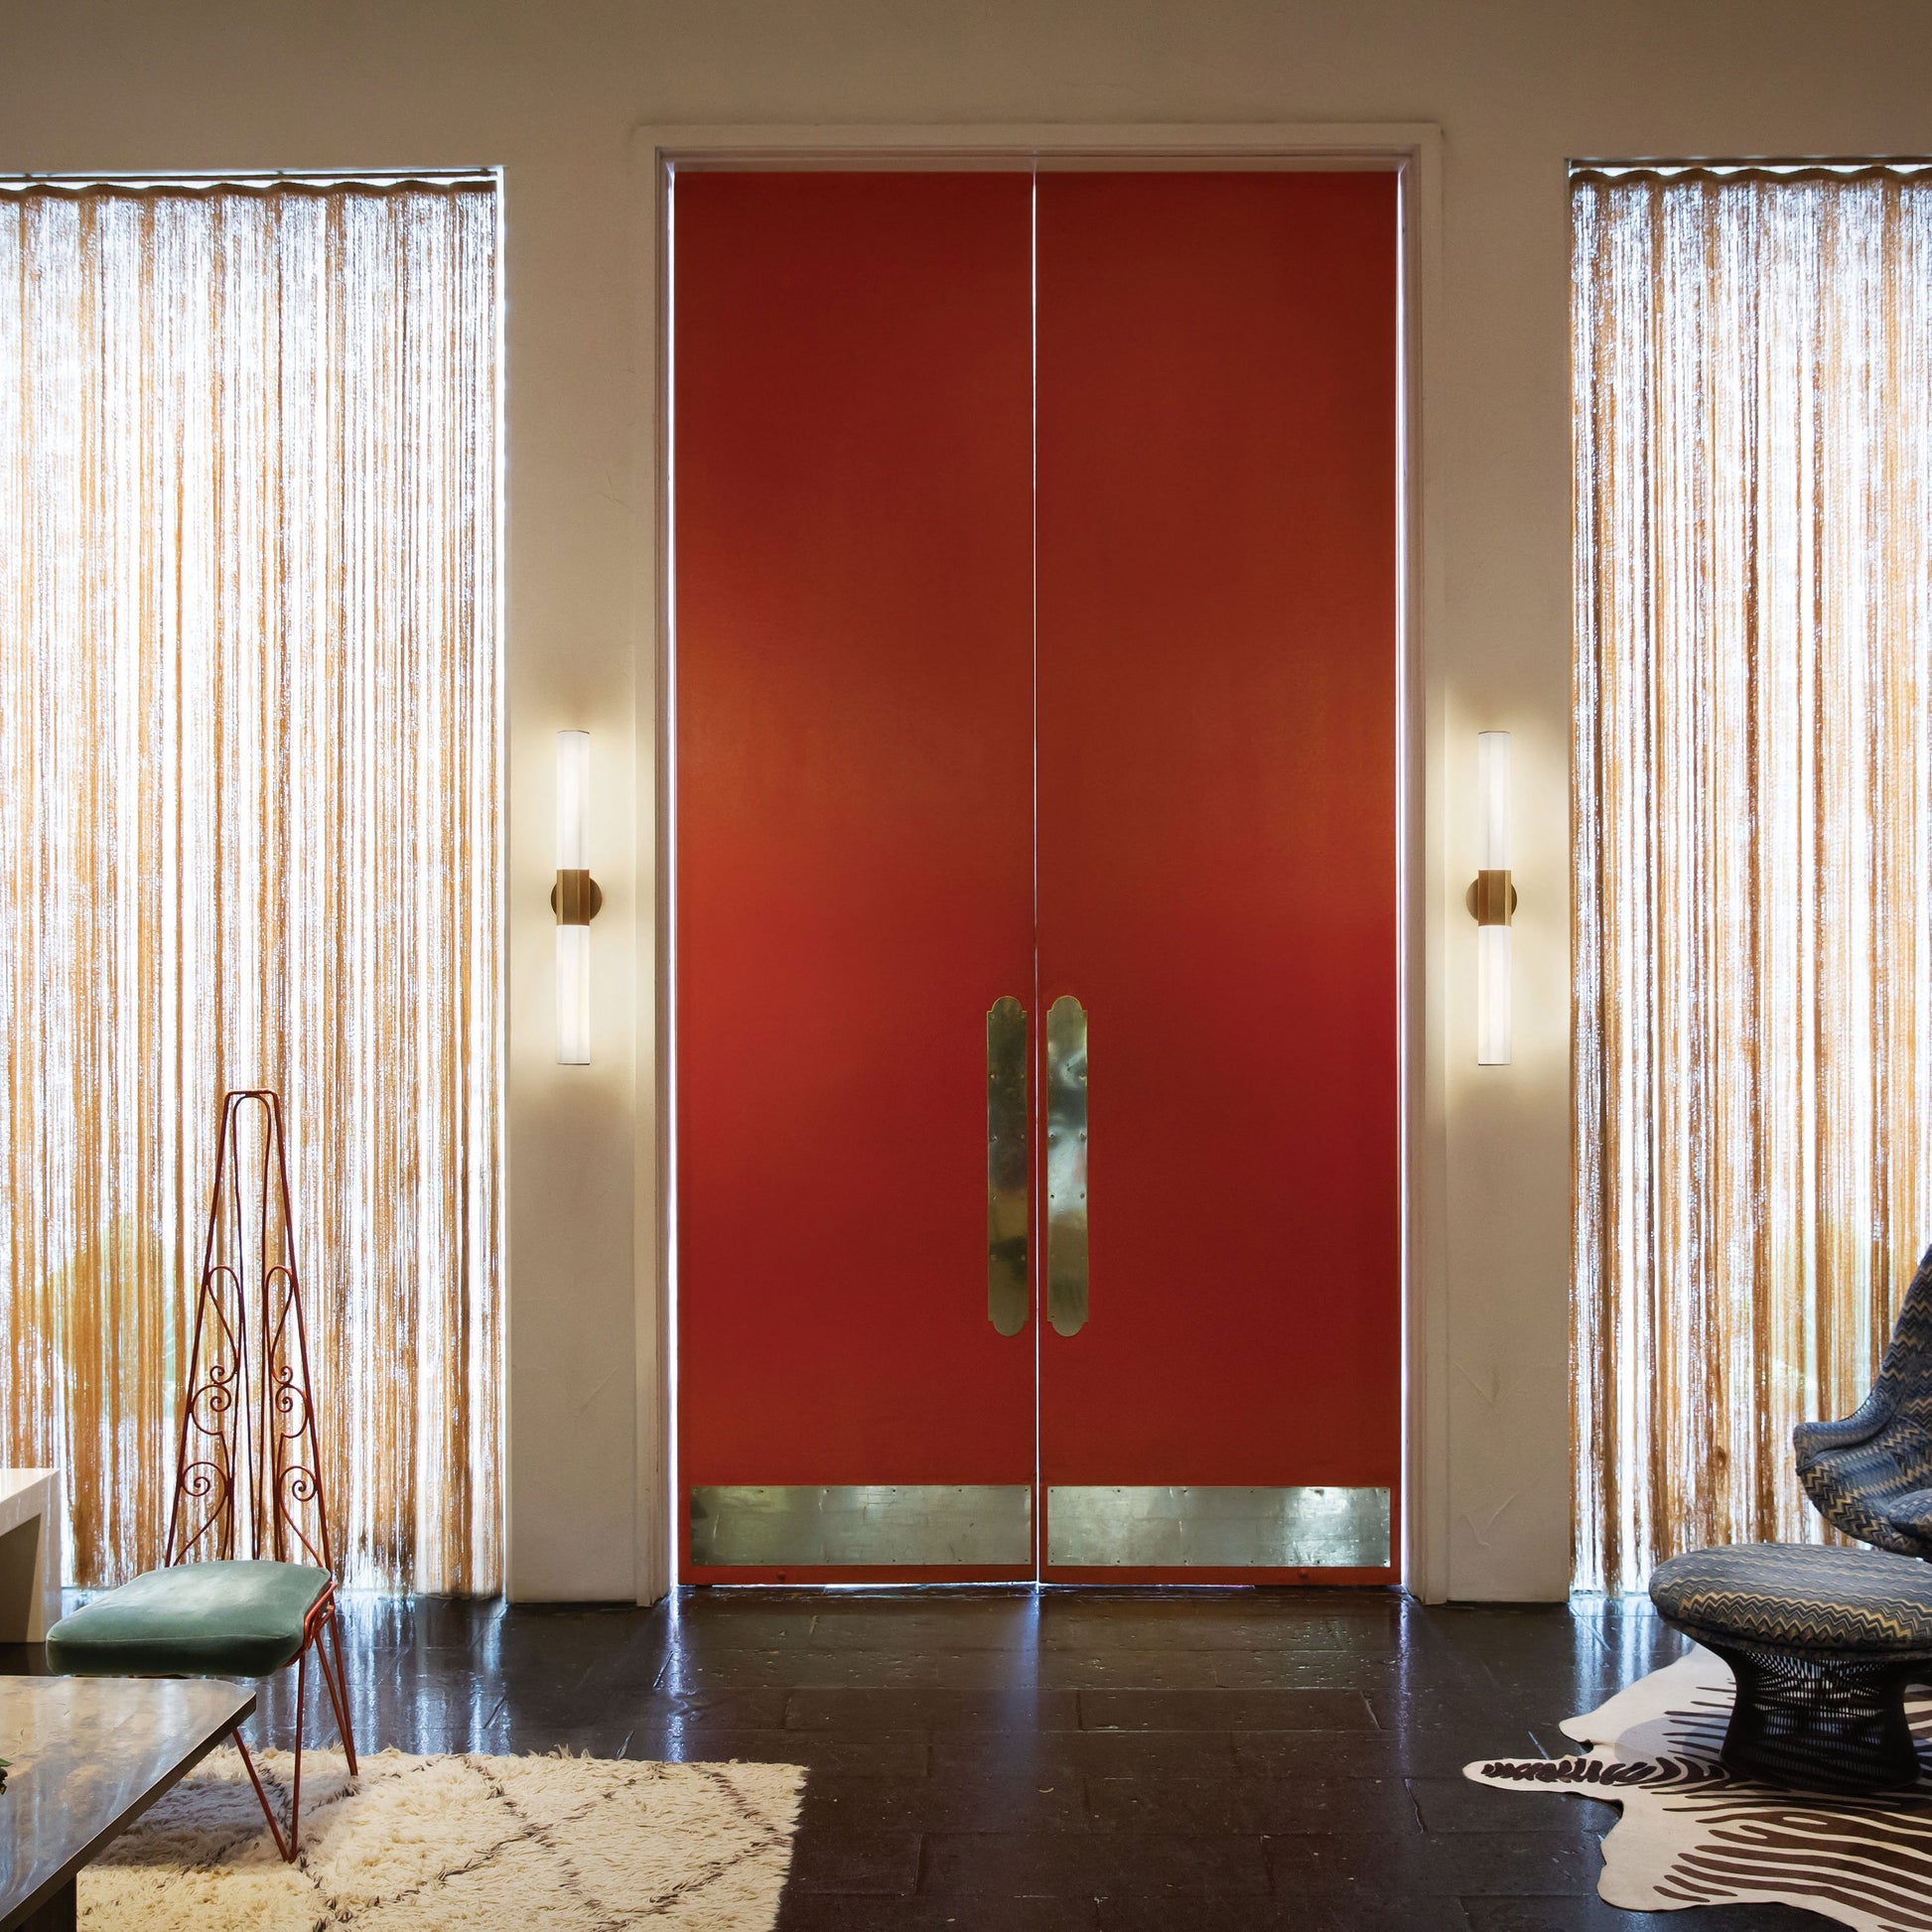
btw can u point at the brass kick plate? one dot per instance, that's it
(768, 1525)
(1191, 1526)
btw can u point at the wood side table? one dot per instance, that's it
(30, 1592)
(90, 1754)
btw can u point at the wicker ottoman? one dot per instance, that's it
(1822, 1643)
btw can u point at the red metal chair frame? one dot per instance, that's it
(248, 1452)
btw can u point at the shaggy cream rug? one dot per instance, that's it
(565, 1844)
(1695, 1834)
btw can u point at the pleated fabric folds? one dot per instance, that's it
(249, 803)
(1753, 833)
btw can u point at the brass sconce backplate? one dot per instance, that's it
(576, 897)
(1491, 899)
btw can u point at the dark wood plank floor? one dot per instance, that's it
(1115, 1761)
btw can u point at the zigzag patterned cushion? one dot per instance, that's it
(1800, 1598)
(1872, 1473)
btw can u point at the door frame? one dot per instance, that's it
(1412, 151)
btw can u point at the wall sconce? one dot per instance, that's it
(574, 899)
(1492, 900)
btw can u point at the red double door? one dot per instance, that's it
(1038, 1151)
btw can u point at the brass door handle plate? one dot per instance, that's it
(1066, 1166)
(1009, 1193)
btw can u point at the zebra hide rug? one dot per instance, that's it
(1693, 1834)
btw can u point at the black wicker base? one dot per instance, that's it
(1821, 1724)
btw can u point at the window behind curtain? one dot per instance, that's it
(1753, 831)
(249, 786)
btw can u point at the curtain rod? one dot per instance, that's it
(1819, 167)
(256, 179)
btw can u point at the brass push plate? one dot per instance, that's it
(1066, 1166)
(1007, 1188)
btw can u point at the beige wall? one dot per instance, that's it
(551, 93)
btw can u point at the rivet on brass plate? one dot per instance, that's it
(1007, 1191)
(1066, 1166)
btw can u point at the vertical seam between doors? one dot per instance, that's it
(1039, 1270)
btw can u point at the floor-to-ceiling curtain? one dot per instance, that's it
(249, 790)
(1752, 831)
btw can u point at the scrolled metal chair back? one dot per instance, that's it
(249, 1473)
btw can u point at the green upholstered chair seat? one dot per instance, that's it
(195, 1620)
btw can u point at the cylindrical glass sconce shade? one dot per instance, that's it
(574, 996)
(1492, 996)
(1492, 799)
(573, 940)
(573, 800)
(1493, 940)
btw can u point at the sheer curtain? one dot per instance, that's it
(1752, 831)
(249, 779)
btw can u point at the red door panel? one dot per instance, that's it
(853, 544)
(1217, 833)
